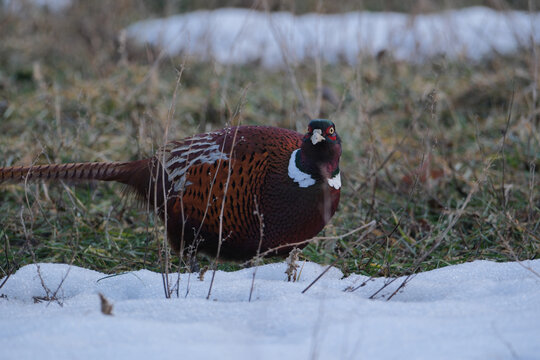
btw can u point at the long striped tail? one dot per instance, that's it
(130, 173)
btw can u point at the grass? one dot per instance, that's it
(417, 140)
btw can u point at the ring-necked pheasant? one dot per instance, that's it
(289, 181)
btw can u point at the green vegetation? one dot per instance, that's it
(418, 140)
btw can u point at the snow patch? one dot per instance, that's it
(18, 6)
(241, 36)
(478, 310)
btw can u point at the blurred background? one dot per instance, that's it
(441, 151)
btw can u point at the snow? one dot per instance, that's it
(478, 310)
(51, 5)
(240, 36)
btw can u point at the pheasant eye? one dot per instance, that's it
(331, 131)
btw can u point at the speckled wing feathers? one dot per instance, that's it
(198, 169)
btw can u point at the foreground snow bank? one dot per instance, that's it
(480, 310)
(239, 36)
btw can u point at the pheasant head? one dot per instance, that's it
(318, 156)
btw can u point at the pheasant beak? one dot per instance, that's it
(317, 136)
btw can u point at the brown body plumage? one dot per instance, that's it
(221, 186)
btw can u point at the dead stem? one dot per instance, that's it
(257, 258)
(225, 189)
(371, 227)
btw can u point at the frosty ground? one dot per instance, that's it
(481, 310)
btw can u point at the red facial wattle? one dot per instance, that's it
(331, 133)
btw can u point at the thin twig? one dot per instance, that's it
(370, 225)
(261, 236)
(316, 238)
(225, 189)
(455, 216)
(165, 248)
(508, 118)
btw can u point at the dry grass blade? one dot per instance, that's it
(313, 239)
(370, 227)
(225, 189)
(257, 258)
